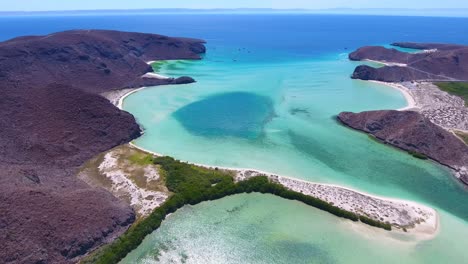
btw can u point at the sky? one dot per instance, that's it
(54, 5)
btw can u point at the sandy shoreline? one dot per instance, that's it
(419, 220)
(443, 109)
(410, 100)
(116, 97)
(155, 76)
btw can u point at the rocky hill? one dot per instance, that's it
(439, 62)
(413, 132)
(52, 120)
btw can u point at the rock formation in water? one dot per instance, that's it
(412, 132)
(52, 119)
(438, 62)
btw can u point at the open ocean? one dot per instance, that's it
(266, 95)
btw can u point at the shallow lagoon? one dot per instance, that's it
(299, 62)
(259, 228)
(301, 139)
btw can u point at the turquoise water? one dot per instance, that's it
(301, 139)
(236, 114)
(266, 229)
(280, 117)
(277, 82)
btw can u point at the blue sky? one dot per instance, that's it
(48, 5)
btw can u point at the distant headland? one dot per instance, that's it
(435, 80)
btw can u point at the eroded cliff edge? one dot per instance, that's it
(52, 120)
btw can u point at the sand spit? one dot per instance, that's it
(416, 219)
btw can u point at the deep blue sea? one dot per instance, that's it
(297, 35)
(266, 95)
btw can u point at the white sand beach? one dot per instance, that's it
(406, 93)
(418, 220)
(155, 76)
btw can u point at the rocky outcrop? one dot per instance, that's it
(410, 131)
(52, 120)
(183, 80)
(441, 63)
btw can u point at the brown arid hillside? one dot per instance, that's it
(438, 62)
(412, 132)
(52, 120)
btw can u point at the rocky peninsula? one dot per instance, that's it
(438, 63)
(436, 117)
(52, 120)
(412, 132)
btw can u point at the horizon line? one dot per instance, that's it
(394, 12)
(243, 9)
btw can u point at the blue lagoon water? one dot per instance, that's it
(236, 114)
(266, 97)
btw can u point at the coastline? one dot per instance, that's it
(410, 100)
(422, 224)
(425, 220)
(441, 108)
(116, 97)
